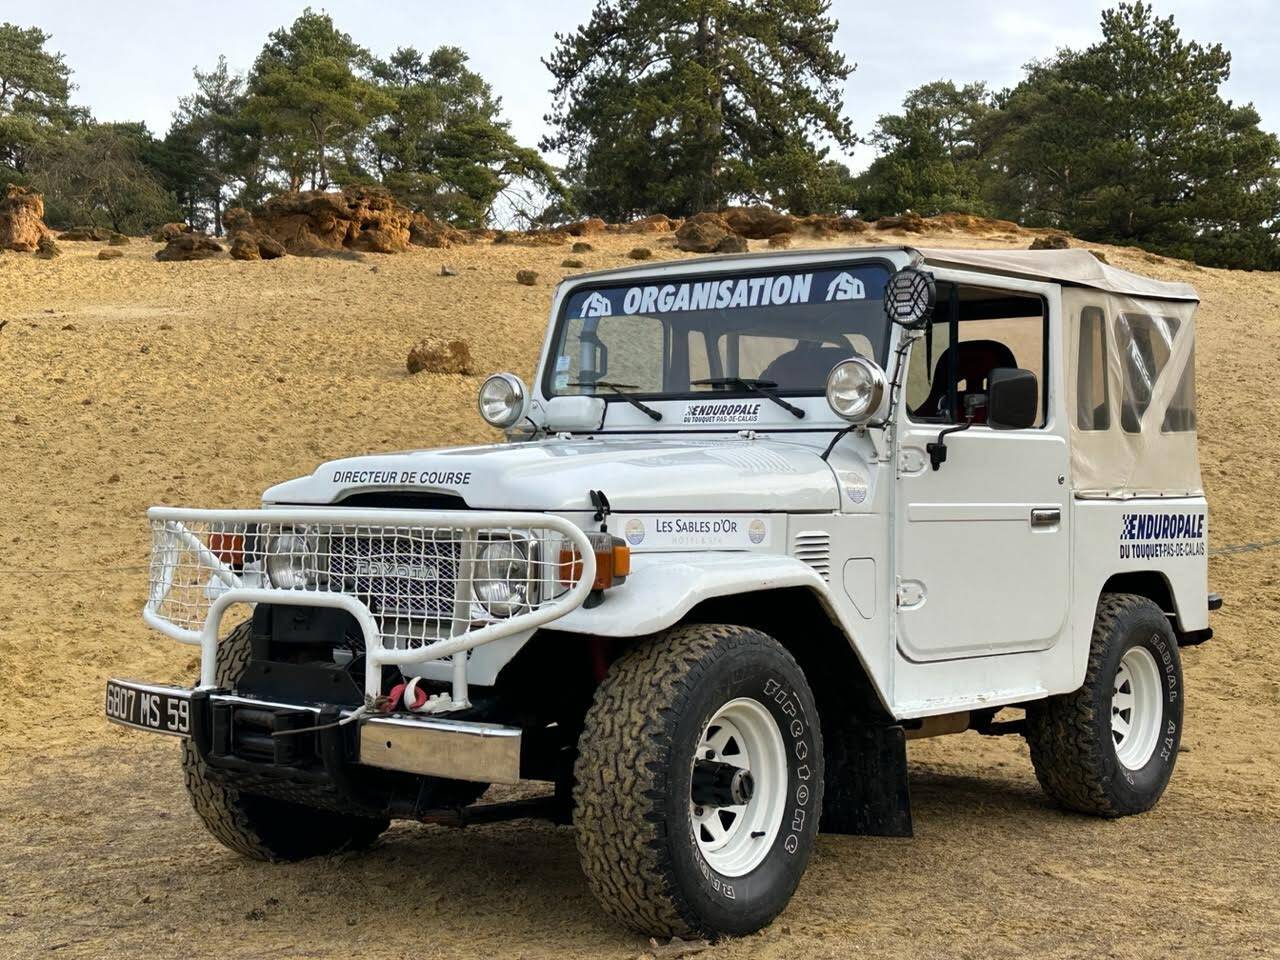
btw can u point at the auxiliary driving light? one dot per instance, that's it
(909, 297)
(855, 389)
(503, 400)
(292, 562)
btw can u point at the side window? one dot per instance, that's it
(1144, 343)
(1093, 412)
(984, 345)
(1181, 415)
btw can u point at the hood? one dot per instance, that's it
(725, 475)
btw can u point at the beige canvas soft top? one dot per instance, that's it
(1129, 359)
(1075, 267)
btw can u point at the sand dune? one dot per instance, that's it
(131, 382)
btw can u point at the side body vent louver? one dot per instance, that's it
(814, 548)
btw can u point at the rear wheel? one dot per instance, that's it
(265, 828)
(1109, 748)
(699, 782)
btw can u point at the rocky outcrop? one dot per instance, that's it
(246, 241)
(586, 228)
(527, 278)
(425, 232)
(189, 246)
(94, 234)
(758, 222)
(905, 223)
(435, 355)
(732, 243)
(702, 233)
(21, 219)
(1051, 241)
(316, 223)
(655, 223)
(640, 253)
(110, 253)
(47, 249)
(170, 231)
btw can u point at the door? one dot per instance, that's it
(982, 541)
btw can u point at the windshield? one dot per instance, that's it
(780, 328)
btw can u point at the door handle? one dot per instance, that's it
(1046, 516)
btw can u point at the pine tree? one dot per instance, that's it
(442, 146)
(1130, 141)
(929, 154)
(35, 90)
(310, 93)
(676, 106)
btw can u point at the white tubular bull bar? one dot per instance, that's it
(193, 584)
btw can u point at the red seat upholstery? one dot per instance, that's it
(976, 360)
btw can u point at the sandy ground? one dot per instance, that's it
(131, 382)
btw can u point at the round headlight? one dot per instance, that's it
(855, 388)
(291, 562)
(503, 578)
(502, 400)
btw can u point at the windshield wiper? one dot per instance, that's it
(620, 389)
(762, 387)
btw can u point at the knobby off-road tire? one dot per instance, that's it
(639, 833)
(265, 828)
(1082, 755)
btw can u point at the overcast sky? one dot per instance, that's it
(133, 58)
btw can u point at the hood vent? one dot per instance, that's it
(814, 548)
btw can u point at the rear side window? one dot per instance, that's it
(1144, 343)
(1092, 409)
(1181, 415)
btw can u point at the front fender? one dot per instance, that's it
(663, 587)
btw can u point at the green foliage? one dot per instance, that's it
(35, 87)
(930, 154)
(442, 147)
(676, 106)
(217, 146)
(103, 174)
(1130, 141)
(310, 94)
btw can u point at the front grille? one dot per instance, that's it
(399, 576)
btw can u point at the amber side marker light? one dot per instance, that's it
(613, 561)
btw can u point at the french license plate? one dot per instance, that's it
(149, 707)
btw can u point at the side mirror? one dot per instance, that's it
(1013, 398)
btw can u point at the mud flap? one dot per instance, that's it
(867, 792)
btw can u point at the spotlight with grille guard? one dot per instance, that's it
(909, 297)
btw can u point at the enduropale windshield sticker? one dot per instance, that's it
(562, 381)
(741, 411)
(854, 282)
(696, 531)
(562, 363)
(1151, 536)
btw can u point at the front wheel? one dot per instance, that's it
(1109, 748)
(699, 782)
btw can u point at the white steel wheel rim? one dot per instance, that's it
(1136, 708)
(735, 839)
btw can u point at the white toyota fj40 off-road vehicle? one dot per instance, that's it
(760, 521)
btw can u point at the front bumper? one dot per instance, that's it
(312, 743)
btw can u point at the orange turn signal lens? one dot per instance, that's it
(613, 562)
(228, 547)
